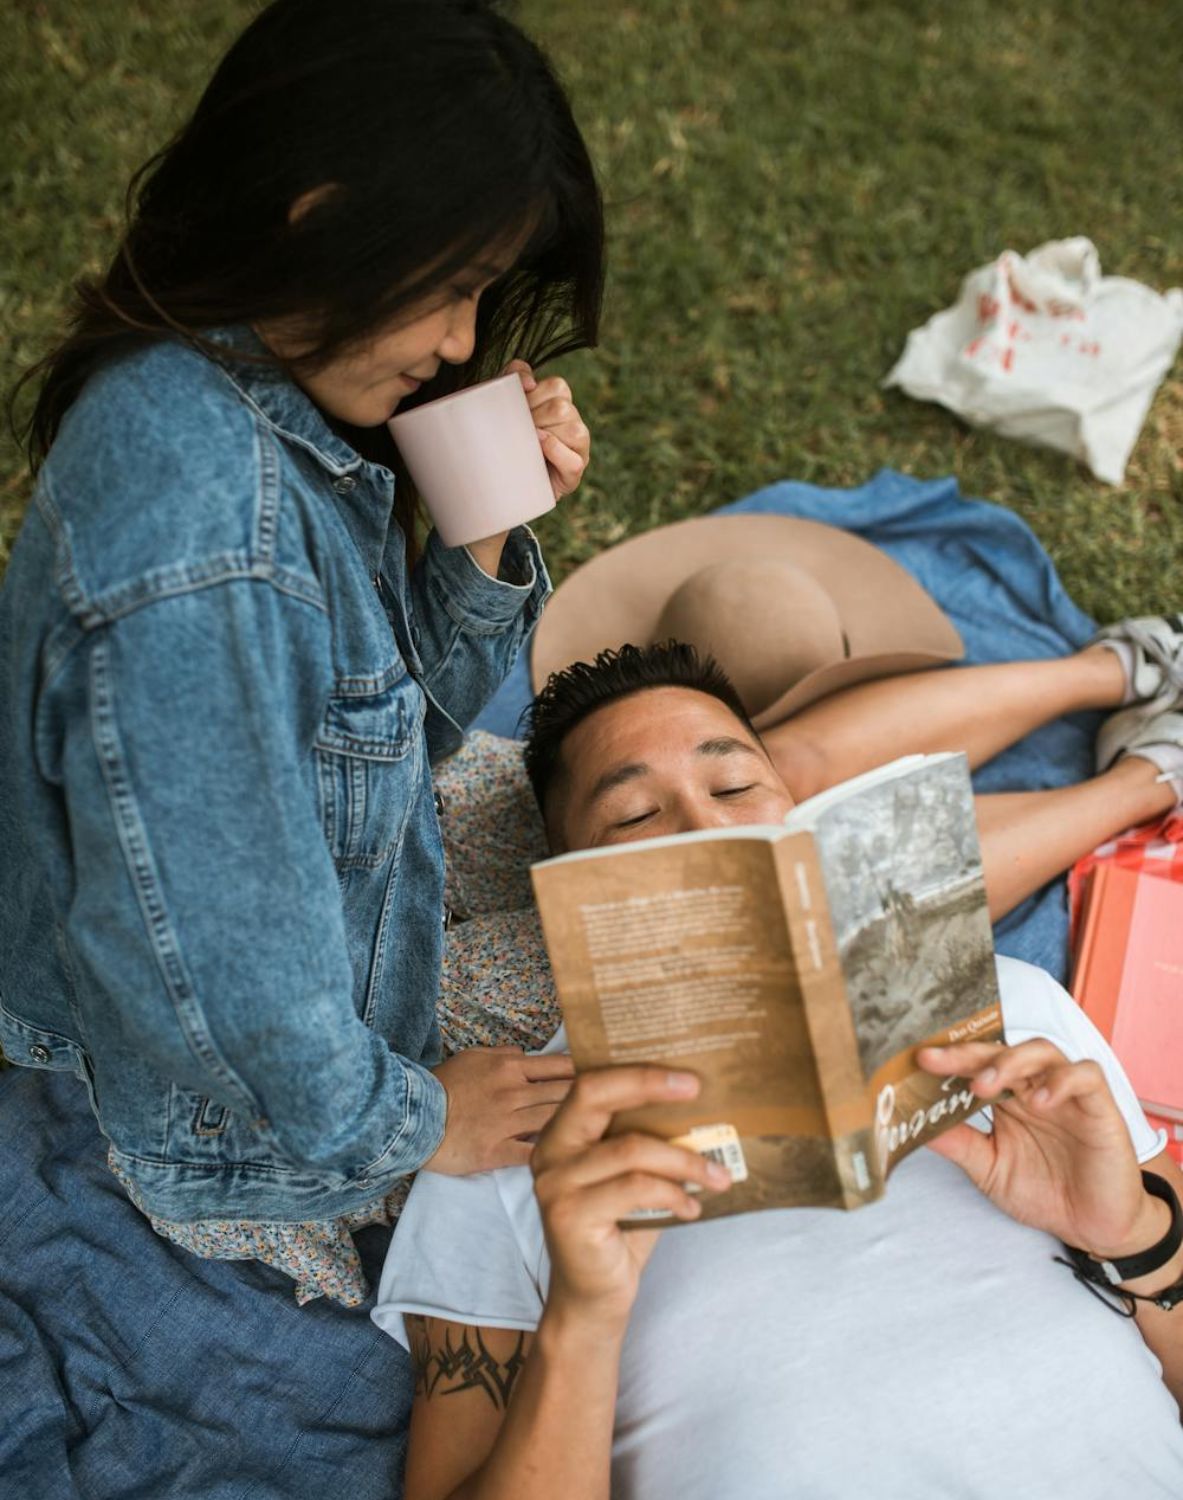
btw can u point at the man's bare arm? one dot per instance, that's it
(502, 1415)
(451, 1358)
(1163, 1331)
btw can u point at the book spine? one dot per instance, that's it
(830, 1023)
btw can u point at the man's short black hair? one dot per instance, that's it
(569, 696)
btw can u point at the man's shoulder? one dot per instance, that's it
(469, 1249)
(1033, 1003)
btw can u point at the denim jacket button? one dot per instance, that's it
(40, 1054)
(344, 483)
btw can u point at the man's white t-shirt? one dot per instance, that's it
(925, 1346)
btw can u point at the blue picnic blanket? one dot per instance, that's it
(988, 572)
(128, 1368)
(131, 1370)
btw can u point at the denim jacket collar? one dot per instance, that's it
(281, 402)
(364, 491)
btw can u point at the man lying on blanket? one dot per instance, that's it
(928, 1345)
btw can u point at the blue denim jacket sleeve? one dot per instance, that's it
(468, 628)
(207, 905)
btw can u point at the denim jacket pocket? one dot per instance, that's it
(202, 1131)
(367, 768)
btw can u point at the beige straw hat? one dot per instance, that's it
(793, 610)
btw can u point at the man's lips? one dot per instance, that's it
(410, 382)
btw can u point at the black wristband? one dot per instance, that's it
(1130, 1267)
(1109, 1274)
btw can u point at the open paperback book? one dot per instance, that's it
(796, 969)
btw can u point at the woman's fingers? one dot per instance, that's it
(562, 420)
(545, 1091)
(553, 388)
(530, 1119)
(565, 464)
(539, 393)
(555, 412)
(545, 1065)
(520, 367)
(564, 436)
(531, 1116)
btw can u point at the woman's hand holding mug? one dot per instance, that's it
(492, 456)
(565, 439)
(566, 447)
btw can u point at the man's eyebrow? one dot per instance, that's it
(617, 776)
(725, 745)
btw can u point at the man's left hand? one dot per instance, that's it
(1059, 1156)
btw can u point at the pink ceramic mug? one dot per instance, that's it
(476, 460)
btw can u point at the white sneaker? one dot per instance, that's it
(1134, 731)
(1156, 644)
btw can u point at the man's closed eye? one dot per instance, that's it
(636, 819)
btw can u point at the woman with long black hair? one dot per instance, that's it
(228, 663)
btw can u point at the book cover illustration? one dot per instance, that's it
(903, 875)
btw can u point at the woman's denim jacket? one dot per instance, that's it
(221, 871)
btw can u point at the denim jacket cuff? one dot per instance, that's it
(475, 600)
(427, 1113)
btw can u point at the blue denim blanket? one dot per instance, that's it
(988, 572)
(130, 1369)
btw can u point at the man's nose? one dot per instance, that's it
(703, 812)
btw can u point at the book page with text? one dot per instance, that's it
(680, 955)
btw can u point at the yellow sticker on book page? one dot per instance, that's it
(718, 1143)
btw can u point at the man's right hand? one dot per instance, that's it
(499, 1098)
(586, 1184)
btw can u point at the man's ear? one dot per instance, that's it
(553, 804)
(555, 841)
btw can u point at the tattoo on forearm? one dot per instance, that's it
(444, 1365)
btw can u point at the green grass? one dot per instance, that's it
(791, 184)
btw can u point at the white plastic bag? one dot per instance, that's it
(1044, 348)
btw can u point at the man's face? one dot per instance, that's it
(665, 760)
